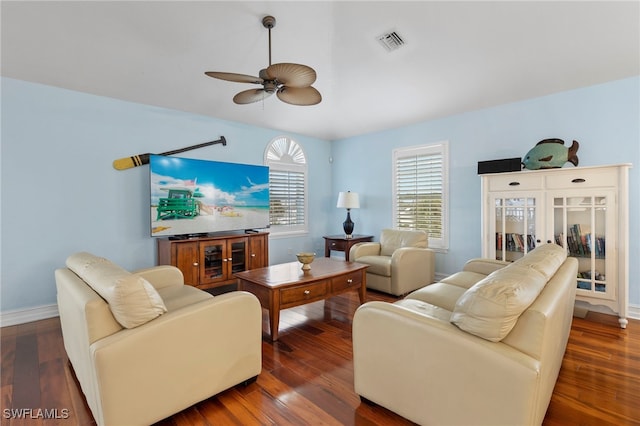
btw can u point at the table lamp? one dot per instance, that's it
(348, 200)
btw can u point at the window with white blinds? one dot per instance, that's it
(287, 200)
(420, 191)
(287, 186)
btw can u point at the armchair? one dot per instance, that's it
(144, 345)
(399, 263)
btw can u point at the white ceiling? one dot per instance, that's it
(459, 56)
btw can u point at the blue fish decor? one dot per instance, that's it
(551, 154)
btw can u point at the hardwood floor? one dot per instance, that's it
(307, 376)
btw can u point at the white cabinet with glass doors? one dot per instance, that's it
(584, 209)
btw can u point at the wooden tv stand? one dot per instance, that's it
(211, 261)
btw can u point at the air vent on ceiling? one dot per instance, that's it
(391, 41)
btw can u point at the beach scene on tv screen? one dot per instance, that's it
(191, 196)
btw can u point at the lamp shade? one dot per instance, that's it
(348, 200)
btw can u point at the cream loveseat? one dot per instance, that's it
(482, 347)
(144, 346)
(399, 263)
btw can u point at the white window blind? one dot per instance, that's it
(287, 186)
(420, 191)
(287, 201)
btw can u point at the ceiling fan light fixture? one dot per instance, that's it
(270, 86)
(293, 81)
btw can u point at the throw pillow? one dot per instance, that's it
(133, 301)
(491, 307)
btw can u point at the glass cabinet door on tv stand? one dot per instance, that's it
(220, 259)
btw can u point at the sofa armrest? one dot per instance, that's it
(162, 276)
(178, 359)
(411, 268)
(364, 249)
(421, 371)
(484, 266)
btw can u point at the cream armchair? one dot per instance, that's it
(399, 263)
(144, 346)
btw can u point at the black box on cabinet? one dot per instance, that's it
(500, 166)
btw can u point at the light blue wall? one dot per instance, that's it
(605, 119)
(60, 193)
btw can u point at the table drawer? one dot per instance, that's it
(338, 245)
(343, 282)
(303, 293)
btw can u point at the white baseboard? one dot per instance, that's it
(22, 316)
(634, 311)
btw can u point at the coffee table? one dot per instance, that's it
(286, 285)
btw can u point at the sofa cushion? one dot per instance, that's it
(491, 307)
(545, 259)
(132, 299)
(439, 294)
(424, 308)
(464, 279)
(393, 239)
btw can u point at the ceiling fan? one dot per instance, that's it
(290, 82)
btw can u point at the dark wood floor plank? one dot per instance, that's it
(296, 404)
(80, 412)
(26, 373)
(276, 412)
(8, 353)
(212, 411)
(307, 375)
(242, 409)
(54, 392)
(322, 397)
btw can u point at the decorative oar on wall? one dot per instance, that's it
(142, 159)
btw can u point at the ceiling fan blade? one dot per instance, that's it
(299, 95)
(292, 75)
(238, 78)
(251, 95)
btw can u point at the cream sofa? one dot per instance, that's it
(482, 347)
(399, 263)
(144, 346)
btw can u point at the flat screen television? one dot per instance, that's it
(191, 197)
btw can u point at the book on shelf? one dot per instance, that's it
(515, 242)
(582, 244)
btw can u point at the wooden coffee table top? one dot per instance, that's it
(285, 274)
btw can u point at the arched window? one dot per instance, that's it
(287, 186)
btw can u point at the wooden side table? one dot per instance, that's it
(341, 243)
